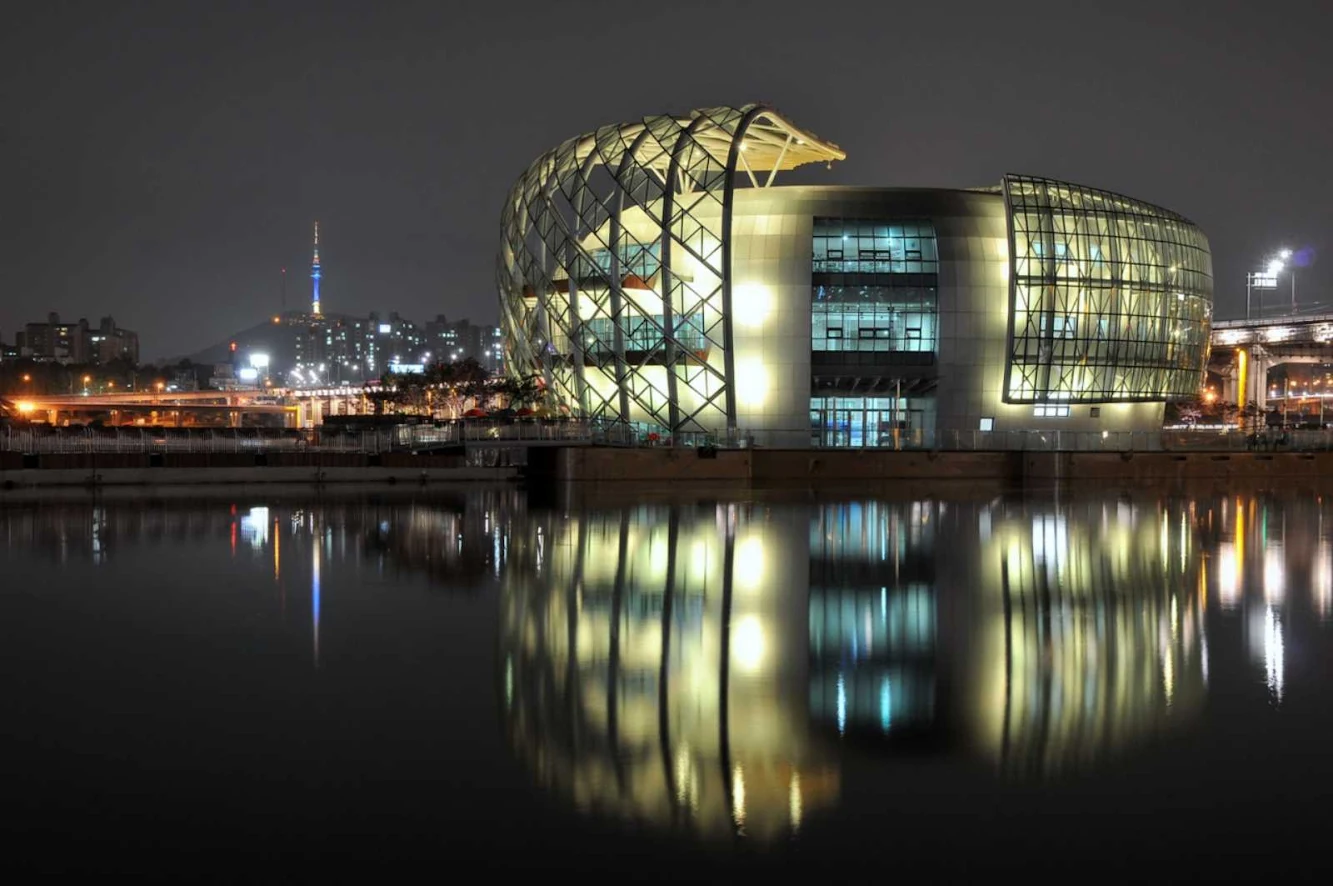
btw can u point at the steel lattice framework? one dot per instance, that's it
(1110, 297)
(614, 271)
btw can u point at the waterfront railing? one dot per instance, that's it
(472, 434)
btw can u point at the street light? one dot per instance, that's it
(1267, 279)
(1277, 266)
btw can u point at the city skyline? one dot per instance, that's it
(170, 153)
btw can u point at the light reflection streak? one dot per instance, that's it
(1321, 580)
(738, 798)
(1275, 574)
(1274, 653)
(314, 596)
(794, 804)
(1228, 576)
(842, 705)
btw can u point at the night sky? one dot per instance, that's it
(162, 161)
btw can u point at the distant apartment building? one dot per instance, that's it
(463, 339)
(77, 342)
(110, 342)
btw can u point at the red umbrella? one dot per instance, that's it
(474, 413)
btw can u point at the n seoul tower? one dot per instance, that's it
(314, 275)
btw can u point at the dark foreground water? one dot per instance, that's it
(266, 683)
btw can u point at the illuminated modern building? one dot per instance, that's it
(652, 272)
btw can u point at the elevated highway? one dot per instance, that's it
(1243, 351)
(287, 407)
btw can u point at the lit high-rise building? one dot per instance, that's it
(314, 276)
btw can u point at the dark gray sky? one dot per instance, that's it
(162, 161)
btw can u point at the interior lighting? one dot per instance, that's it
(752, 303)
(752, 382)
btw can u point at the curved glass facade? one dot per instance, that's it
(1110, 298)
(614, 267)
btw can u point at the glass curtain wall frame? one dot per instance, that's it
(875, 286)
(614, 264)
(1110, 297)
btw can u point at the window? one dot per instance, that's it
(988, 424)
(1050, 412)
(875, 285)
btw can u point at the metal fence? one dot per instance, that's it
(397, 438)
(488, 434)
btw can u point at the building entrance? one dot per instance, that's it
(861, 422)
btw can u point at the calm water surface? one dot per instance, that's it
(271, 682)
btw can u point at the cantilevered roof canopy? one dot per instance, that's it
(770, 143)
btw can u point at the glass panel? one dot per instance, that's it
(875, 286)
(1111, 298)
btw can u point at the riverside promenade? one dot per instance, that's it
(545, 455)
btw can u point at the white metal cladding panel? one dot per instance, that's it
(973, 298)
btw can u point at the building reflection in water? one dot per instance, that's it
(649, 669)
(456, 542)
(700, 667)
(1085, 633)
(706, 666)
(1275, 553)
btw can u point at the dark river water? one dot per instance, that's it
(253, 683)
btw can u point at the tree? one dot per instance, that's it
(520, 392)
(386, 394)
(456, 383)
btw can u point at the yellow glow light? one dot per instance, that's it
(752, 382)
(25, 407)
(751, 304)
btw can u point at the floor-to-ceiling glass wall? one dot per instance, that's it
(873, 329)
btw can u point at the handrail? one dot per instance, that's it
(483, 433)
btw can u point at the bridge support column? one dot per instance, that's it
(1230, 391)
(1260, 363)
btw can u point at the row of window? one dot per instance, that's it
(871, 328)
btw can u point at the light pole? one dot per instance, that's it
(1267, 279)
(1283, 257)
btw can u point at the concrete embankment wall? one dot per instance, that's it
(776, 467)
(765, 467)
(169, 469)
(665, 467)
(1111, 467)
